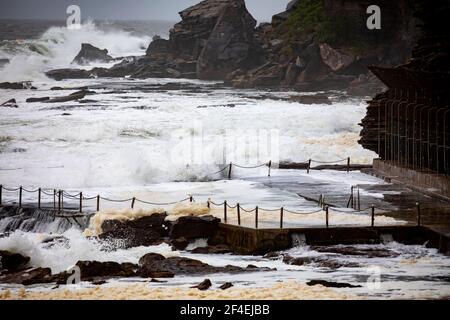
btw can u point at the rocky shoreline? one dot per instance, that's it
(299, 49)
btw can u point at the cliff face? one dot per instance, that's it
(408, 123)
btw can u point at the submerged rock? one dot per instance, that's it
(311, 99)
(218, 249)
(16, 85)
(89, 53)
(38, 99)
(330, 284)
(226, 285)
(28, 276)
(11, 103)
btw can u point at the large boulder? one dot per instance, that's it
(335, 59)
(229, 43)
(89, 53)
(16, 85)
(189, 36)
(95, 269)
(191, 227)
(10, 261)
(28, 276)
(146, 231)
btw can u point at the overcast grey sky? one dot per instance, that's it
(262, 10)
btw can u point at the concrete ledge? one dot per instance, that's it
(261, 241)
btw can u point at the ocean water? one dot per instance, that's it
(141, 138)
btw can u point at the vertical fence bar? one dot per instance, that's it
(238, 206)
(62, 200)
(256, 217)
(229, 170)
(326, 216)
(281, 217)
(59, 200)
(98, 203)
(309, 166)
(359, 201)
(81, 202)
(132, 202)
(39, 198)
(1, 194)
(54, 199)
(20, 196)
(373, 216)
(225, 211)
(270, 166)
(348, 164)
(418, 214)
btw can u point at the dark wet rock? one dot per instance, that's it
(228, 46)
(146, 231)
(150, 258)
(3, 62)
(16, 85)
(11, 103)
(179, 244)
(28, 276)
(65, 114)
(335, 59)
(320, 262)
(311, 99)
(191, 227)
(158, 46)
(10, 261)
(98, 282)
(204, 285)
(226, 285)
(160, 268)
(330, 284)
(71, 97)
(217, 249)
(89, 53)
(37, 99)
(67, 73)
(157, 281)
(96, 269)
(272, 255)
(354, 251)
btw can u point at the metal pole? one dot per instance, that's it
(208, 203)
(373, 216)
(39, 198)
(229, 170)
(256, 217)
(1, 193)
(132, 202)
(59, 200)
(359, 201)
(309, 166)
(418, 214)
(54, 199)
(81, 202)
(225, 211)
(98, 203)
(348, 164)
(270, 166)
(326, 216)
(20, 197)
(239, 213)
(281, 217)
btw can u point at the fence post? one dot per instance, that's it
(39, 198)
(59, 200)
(54, 199)
(418, 214)
(132, 202)
(309, 166)
(238, 206)
(348, 164)
(1, 192)
(281, 217)
(256, 217)
(229, 170)
(326, 216)
(359, 201)
(98, 203)
(270, 166)
(81, 202)
(20, 197)
(373, 216)
(225, 211)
